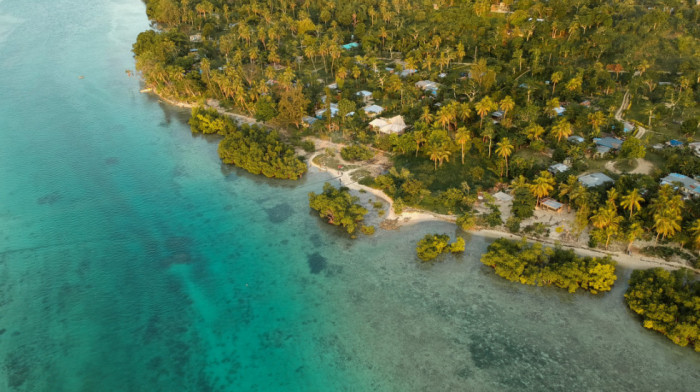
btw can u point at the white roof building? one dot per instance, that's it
(558, 168)
(427, 85)
(390, 125)
(373, 110)
(594, 179)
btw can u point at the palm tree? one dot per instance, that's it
(542, 185)
(426, 117)
(444, 117)
(695, 229)
(464, 112)
(561, 129)
(534, 132)
(438, 152)
(612, 197)
(631, 201)
(596, 119)
(507, 104)
(607, 220)
(463, 137)
(488, 133)
(556, 78)
(503, 149)
(666, 224)
(633, 232)
(419, 137)
(484, 107)
(566, 189)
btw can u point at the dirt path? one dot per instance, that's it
(623, 106)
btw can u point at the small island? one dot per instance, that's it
(533, 264)
(339, 208)
(433, 245)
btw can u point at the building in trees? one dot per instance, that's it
(594, 179)
(688, 186)
(390, 125)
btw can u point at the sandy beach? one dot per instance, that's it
(411, 216)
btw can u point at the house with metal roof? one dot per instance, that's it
(551, 204)
(350, 45)
(688, 186)
(407, 72)
(558, 168)
(594, 179)
(365, 95)
(675, 143)
(606, 144)
(575, 139)
(428, 85)
(389, 125)
(373, 110)
(334, 111)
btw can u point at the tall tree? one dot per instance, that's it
(484, 107)
(463, 137)
(632, 201)
(503, 149)
(542, 185)
(562, 129)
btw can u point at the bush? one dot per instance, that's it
(523, 203)
(308, 146)
(667, 303)
(532, 264)
(261, 152)
(356, 152)
(433, 245)
(367, 230)
(493, 218)
(466, 221)
(513, 224)
(209, 121)
(537, 229)
(338, 207)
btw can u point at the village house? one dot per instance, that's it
(688, 186)
(558, 168)
(594, 179)
(365, 95)
(606, 144)
(196, 37)
(551, 204)
(428, 86)
(389, 125)
(575, 139)
(334, 111)
(373, 110)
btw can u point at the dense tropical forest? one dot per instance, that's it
(491, 94)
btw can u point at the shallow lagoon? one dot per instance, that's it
(131, 260)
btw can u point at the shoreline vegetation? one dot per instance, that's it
(532, 264)
(411, 216)
(667, 302)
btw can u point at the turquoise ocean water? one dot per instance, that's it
(132, 260)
